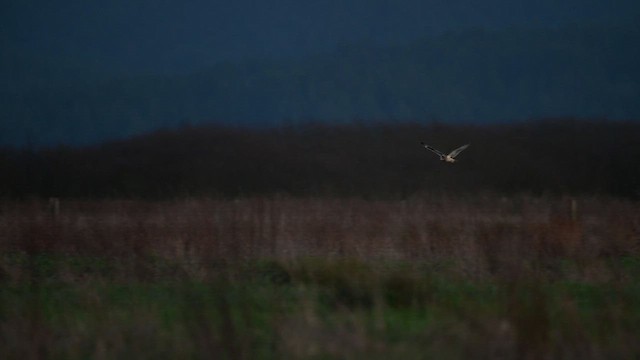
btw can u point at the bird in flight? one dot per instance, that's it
(450, 157)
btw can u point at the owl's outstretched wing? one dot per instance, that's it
(432, 149)
(457, 151)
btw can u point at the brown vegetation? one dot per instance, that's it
(478, 237)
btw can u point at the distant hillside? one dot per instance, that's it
(470, 76)
(550, 157)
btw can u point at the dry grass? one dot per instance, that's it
(487, 277)
(483, 236)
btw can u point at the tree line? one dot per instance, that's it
(559, 156)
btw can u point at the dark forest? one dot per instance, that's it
(553, 156)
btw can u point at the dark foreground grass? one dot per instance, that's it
(291, 278)
(319, 308)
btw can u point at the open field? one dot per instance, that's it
(283, 277)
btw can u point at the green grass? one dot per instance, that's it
(311, 309)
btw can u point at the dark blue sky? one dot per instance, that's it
(80, 71)
(182, 35)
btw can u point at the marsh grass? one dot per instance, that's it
(281, 277)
